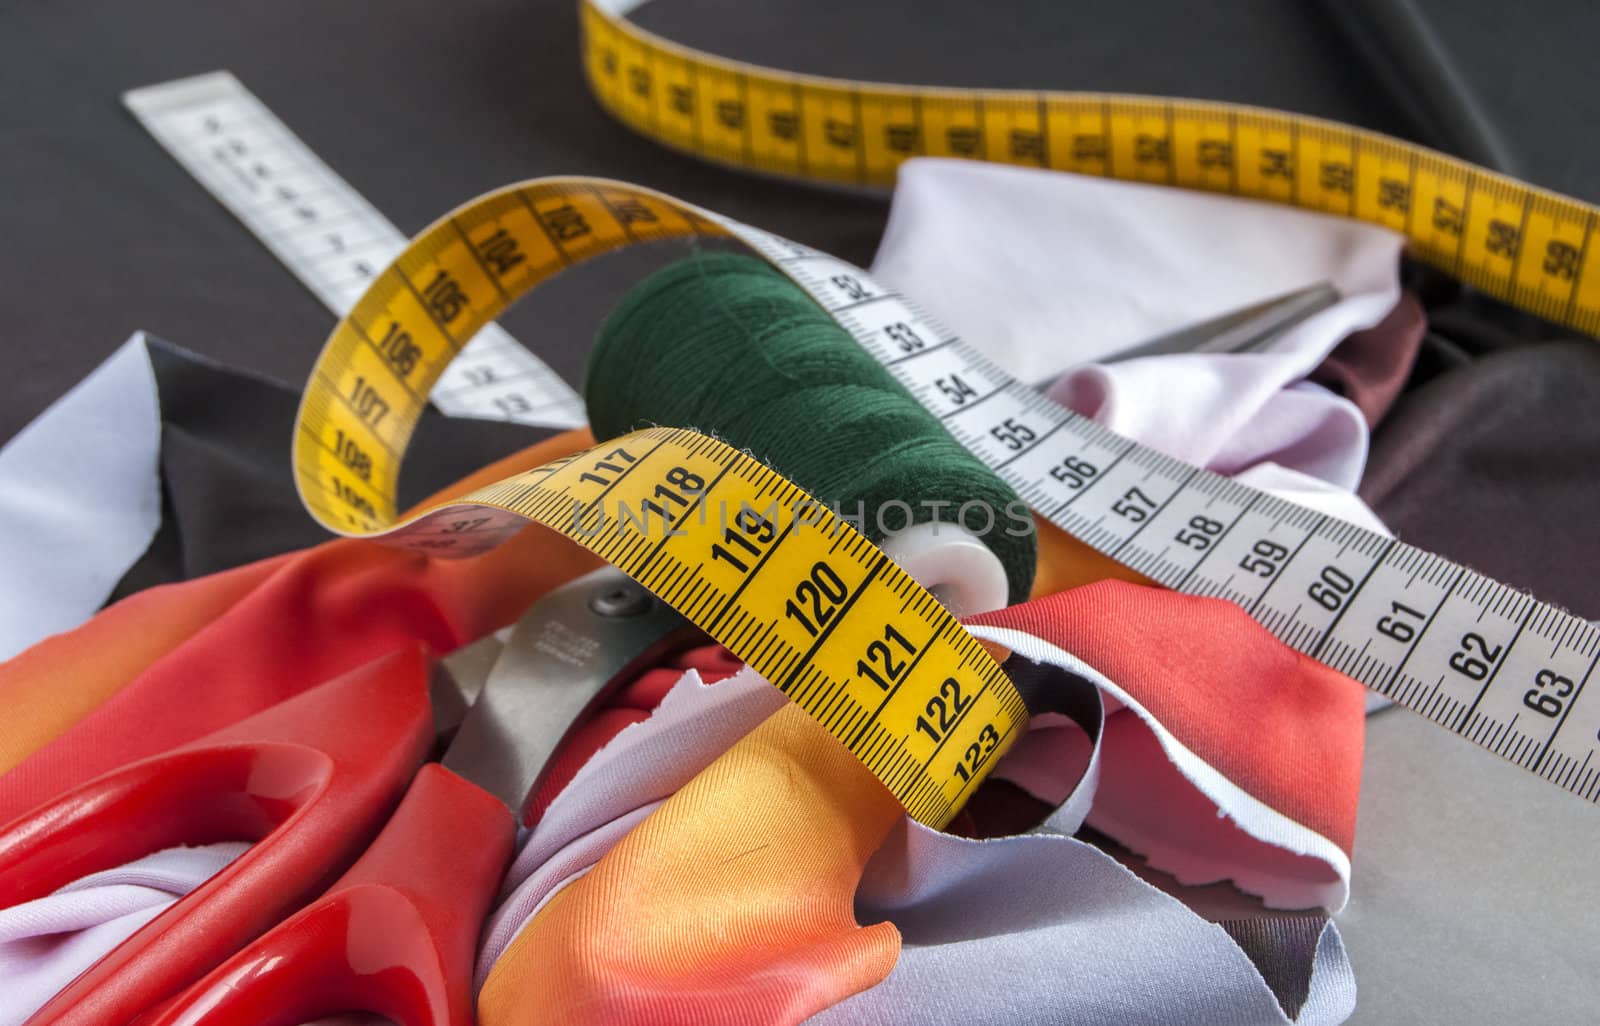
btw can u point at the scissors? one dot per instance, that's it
(311, 781)
(1247, 330)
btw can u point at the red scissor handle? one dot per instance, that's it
(396, 936)
(308, 780)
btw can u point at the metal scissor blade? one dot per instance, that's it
(458, 680)
(562, 659)
(398, 932)
(1249, 330)
(1242, 331)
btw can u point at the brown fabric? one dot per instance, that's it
(1370, 368)
(1496, 463)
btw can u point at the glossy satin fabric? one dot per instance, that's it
(640, 898)
(173, 663)
(1046, 272)
(731, 903)
(1370, 367)
(44, 944)
(1494, 461)
(47, 942)
(670, 884)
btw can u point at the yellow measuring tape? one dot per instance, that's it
(1525, 245)
(787, 586)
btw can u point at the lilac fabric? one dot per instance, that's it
(44, 944)
(1097, 945)
(1061, 929)
(80, 498)
(1046, 272)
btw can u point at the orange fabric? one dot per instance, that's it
(732, 903)
(193, 657)
(56, 683)
(1065, 562)
(60, 680)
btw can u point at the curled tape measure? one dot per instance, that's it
(1525, 245)
(802, 603)
(790, 588)
(802, 600)
(793, 590)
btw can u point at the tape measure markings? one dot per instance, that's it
(812, 662)
(1525, 245)
(798, 675)
(1441, 639)
(1347, 573)
(328, 236)
(1444, 640)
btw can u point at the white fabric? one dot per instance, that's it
(644, 764)
(80, 499)
(1044, 271)
(1065, 929)
(45, 944)
(1159, 798)
(1065, 933)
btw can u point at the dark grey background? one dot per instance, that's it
(423, 105)
(1475, 884)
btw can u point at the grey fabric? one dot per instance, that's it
(1497, 464)
(1119, 952)
(975, 916)
(1471, 903)
(1474, 891)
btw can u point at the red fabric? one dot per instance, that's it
(720, 907)
(1284, 728)
(305, 618)
(632, 704)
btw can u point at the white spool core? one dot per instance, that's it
(951, 562)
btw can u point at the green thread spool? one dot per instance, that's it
(725, 344)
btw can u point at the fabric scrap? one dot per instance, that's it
(1370, 367)
(45, 944)
(731, 903)
(1493, 464)
(227, 485)
(79, 499)
(305, 618)
(1046, 272)
(599, 885)
(650, 953)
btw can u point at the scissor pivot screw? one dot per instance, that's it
(619, 602)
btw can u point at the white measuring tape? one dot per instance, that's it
(329, 236)
(1477, 657)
